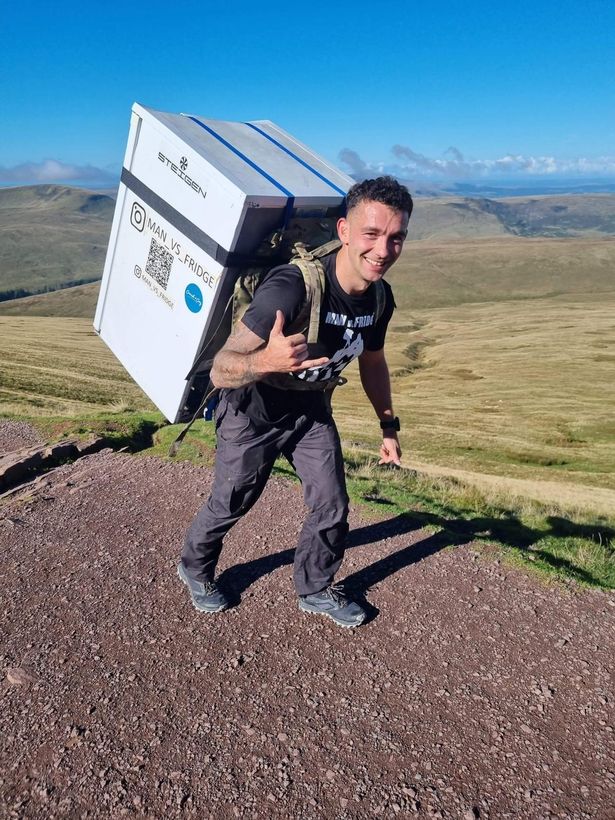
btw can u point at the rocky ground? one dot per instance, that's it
(472, 692)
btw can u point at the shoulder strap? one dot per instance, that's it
(313, 273)
(209, 395)
(381, 299)
(326, 249)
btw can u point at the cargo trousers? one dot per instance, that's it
(246, 452)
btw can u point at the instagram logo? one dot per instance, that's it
(137, 216)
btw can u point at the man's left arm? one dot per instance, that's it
(377, 385)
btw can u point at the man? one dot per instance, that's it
(258, 417)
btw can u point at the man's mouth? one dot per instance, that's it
(378, 263)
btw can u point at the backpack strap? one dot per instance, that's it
(209, 396)
(381, 299)
(326, 249)
(313, 273)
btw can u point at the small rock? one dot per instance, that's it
(19, 677)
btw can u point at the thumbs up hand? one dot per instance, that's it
(287, 354)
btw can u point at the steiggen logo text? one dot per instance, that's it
(180, 171)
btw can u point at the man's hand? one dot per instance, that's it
(287, 354)
(390, 451)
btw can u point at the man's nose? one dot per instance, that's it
(381, 247)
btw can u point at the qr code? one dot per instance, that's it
(159, 262)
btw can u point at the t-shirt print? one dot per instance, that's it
(341, 358)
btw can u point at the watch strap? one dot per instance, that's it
(390, 424)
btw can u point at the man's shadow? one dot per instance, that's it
(237, 579)
(507, 530)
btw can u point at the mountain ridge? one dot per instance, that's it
(55, 236)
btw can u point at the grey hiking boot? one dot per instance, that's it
(333, 603)
(205, 595)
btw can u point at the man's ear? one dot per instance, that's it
(342, 229)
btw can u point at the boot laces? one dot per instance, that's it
(336, 593)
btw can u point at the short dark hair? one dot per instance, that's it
(382, 189)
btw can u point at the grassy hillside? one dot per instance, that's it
(438, 274)
(59, 367)
(51, 235)
(522, 389)
(548, 216)
(77, 302)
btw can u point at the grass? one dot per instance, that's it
(547, 539)
(438, 273)
(509, 389)
(59, 367)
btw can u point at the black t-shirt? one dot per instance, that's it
(347, 327)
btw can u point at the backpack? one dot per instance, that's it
(271, 253)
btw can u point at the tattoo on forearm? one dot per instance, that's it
(235, 370)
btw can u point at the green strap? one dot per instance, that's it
(182, 433)
(308, 262)
(314, 278)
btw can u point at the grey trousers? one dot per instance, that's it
(244, 459)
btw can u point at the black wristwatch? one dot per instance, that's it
(390, 424)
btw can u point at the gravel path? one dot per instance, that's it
(17, 434)
(472, 692)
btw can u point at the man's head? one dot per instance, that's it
(372, 232)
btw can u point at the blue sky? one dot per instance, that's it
(452, 90)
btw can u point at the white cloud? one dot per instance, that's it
(51, 170)
(410, 164)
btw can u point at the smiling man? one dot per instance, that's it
(275, 399)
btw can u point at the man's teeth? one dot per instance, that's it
(374, 261)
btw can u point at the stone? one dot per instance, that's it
(19, 677)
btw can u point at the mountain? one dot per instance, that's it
(51, 236)
(573, 215)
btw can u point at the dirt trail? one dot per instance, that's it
(472, 692)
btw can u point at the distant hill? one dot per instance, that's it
(549, 216)
(443, 273)
(51, 236)
(436, 274)
(79, 302)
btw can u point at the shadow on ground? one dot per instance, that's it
(508, 531)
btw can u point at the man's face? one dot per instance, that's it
(372, 236)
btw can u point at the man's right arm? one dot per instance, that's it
(246, 358)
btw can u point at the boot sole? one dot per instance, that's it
(329, 615)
